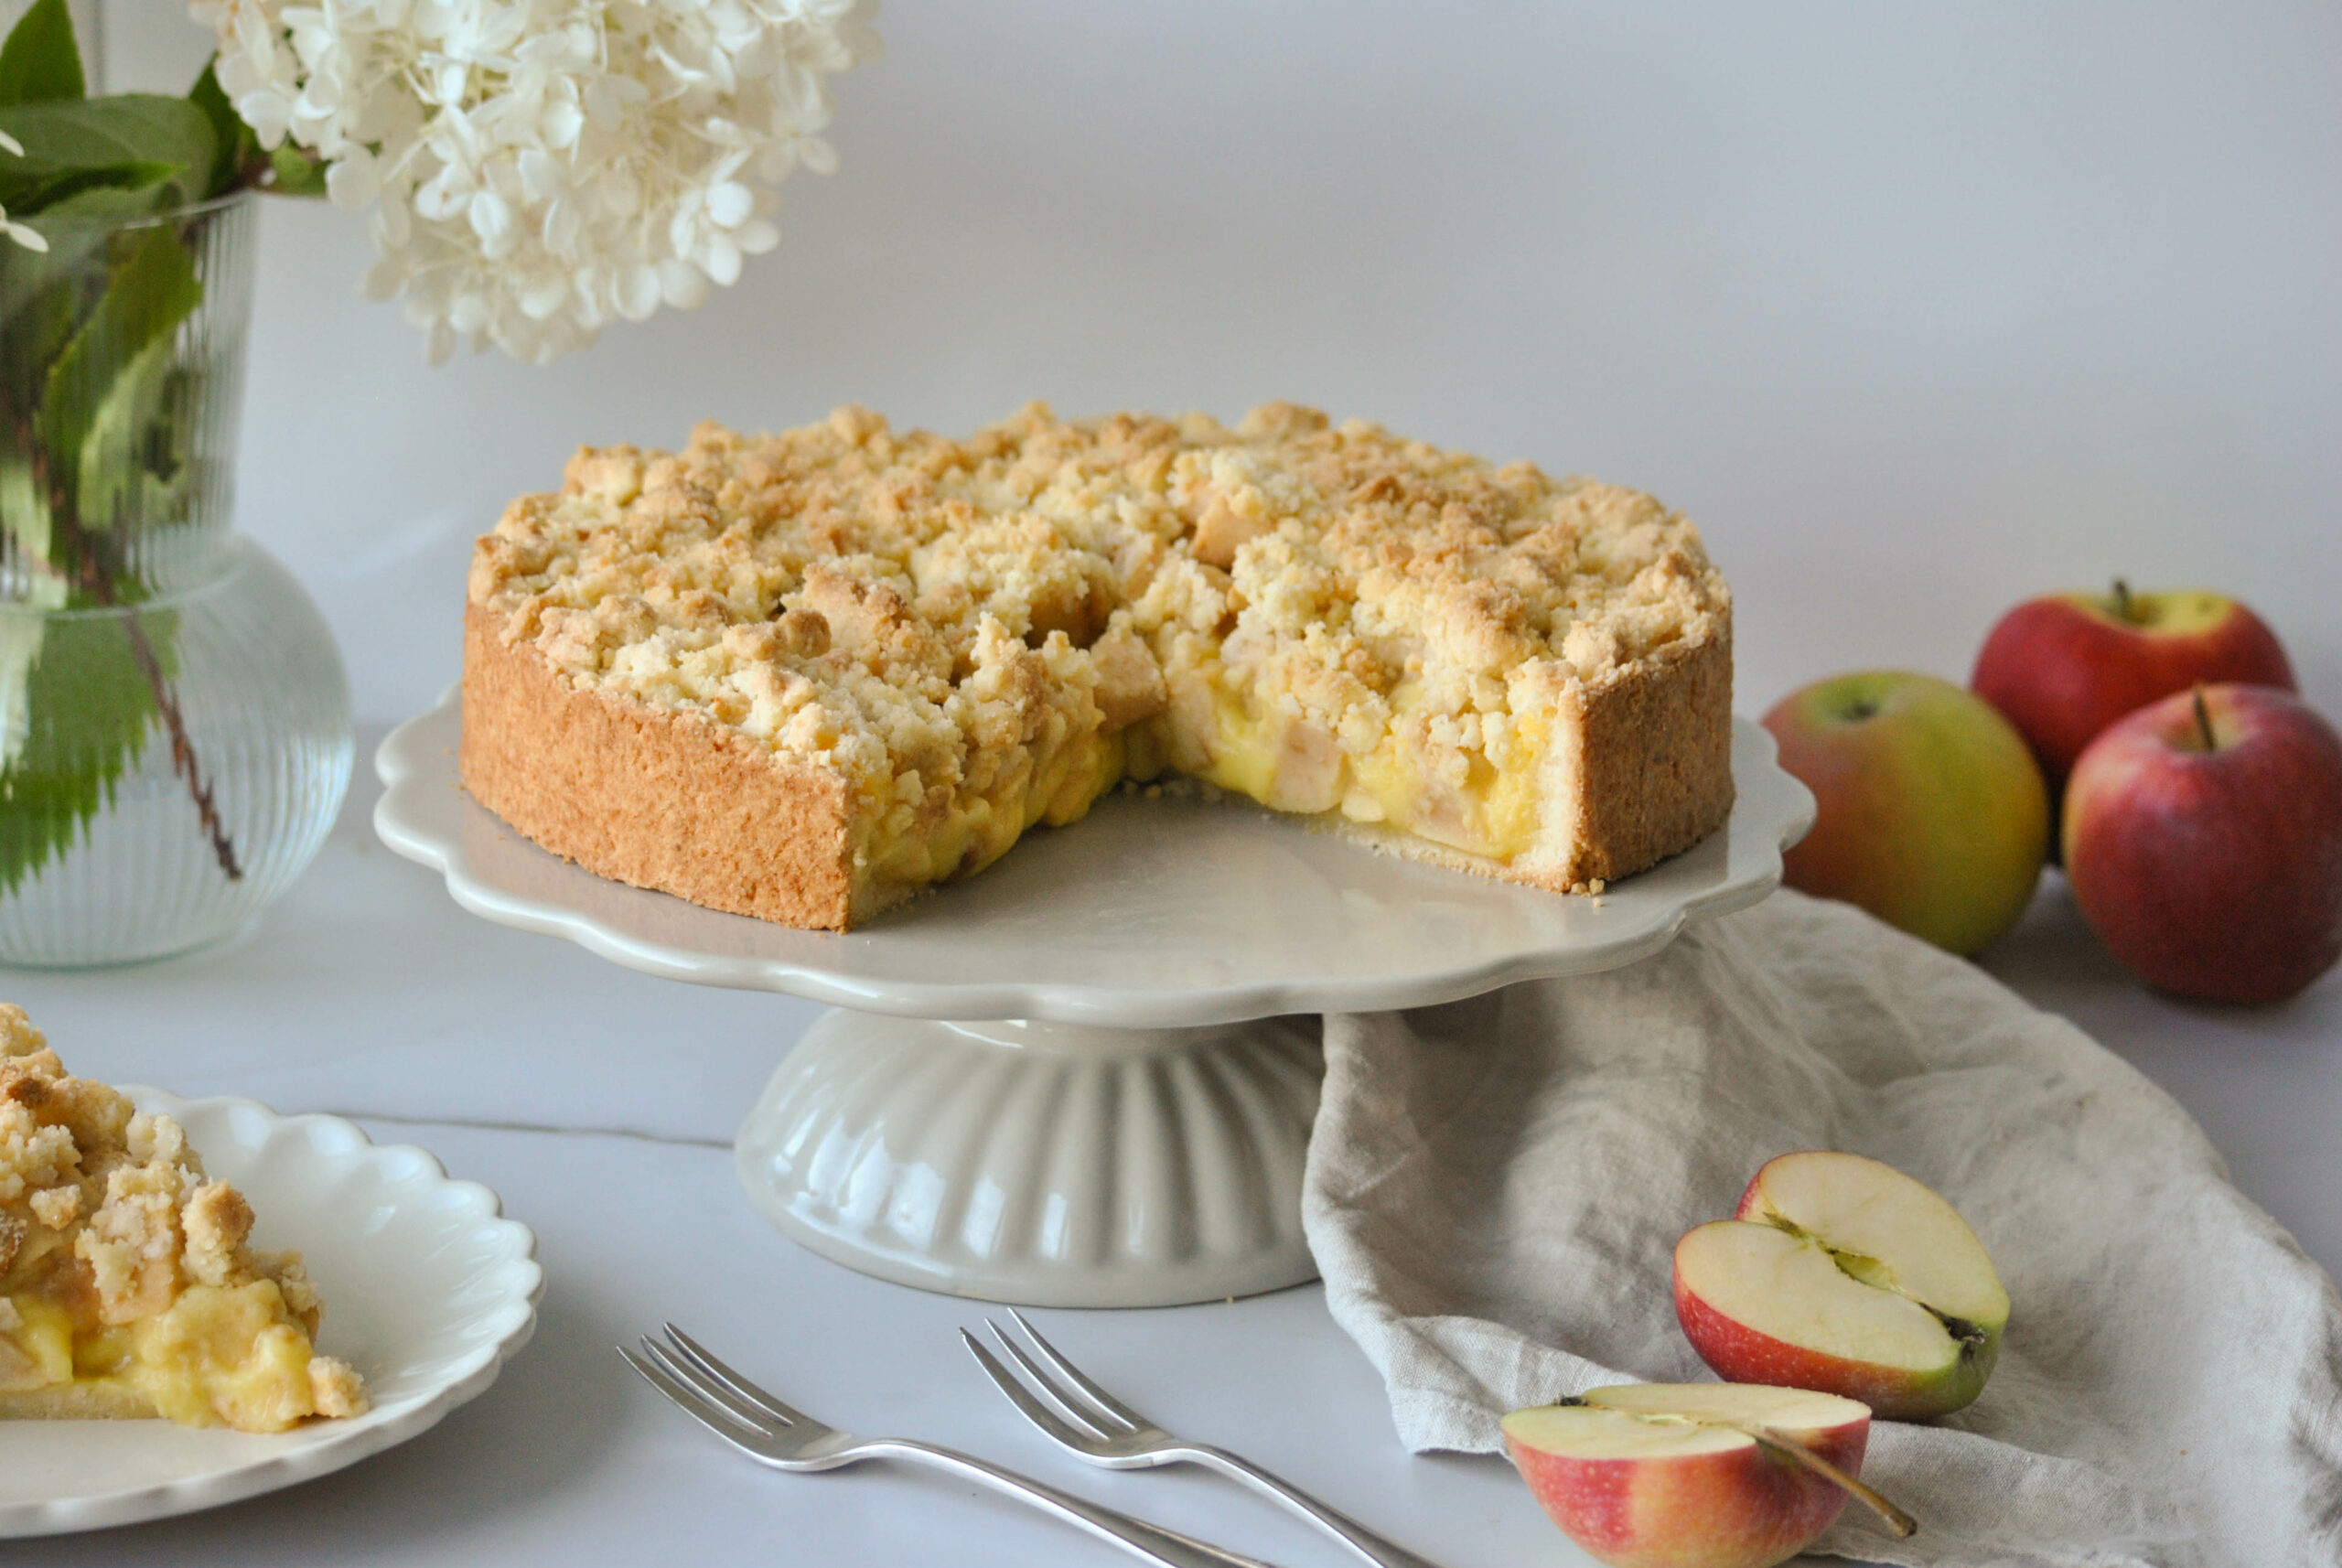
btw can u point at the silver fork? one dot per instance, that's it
(772, 1434)
(1101, 1429)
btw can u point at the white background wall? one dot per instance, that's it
(1918, 310)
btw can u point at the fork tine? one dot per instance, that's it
(710, 1391)
(1077, 1377)
(1037, 1378)
(1036, 1413)
(690, 1400)
(699, 1355)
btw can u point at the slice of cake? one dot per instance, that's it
(801, 676)
(126, 1287)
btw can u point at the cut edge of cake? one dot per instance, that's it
(676, 804)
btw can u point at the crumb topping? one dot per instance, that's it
(898, 607)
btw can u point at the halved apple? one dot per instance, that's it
(1845, 1276)
(1693, 1475)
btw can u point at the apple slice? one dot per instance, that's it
(1845, 1276)
(1694, 1475)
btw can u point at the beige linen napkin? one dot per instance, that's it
(1495, 1188)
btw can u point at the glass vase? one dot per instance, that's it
(175, 722)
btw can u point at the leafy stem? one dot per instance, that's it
(102, 394)
(95, 575)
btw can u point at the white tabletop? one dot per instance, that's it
(1917, 311)
(600, 1104)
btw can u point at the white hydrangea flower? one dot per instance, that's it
(539, 168)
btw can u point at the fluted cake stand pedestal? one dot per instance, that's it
(1085, 1077)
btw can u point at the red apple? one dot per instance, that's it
(2066, 666)
(1693, 1475)
(1932, 814)
(1845, 1276)
(2204, 843)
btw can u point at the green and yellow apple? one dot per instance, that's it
(1932, 812)
(1694, 1475)
(2204, 843)
(2065, 666)
(1844, 1275)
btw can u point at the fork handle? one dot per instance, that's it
(1152, 1541)
(1369, 1544)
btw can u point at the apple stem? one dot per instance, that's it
(2122, 600)
(2204, 720)
(1898, 1523)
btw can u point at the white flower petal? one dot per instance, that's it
(268, 113)
(604, 105)
(542, 177)
(731, 204)
(491, 217)
(541, 298)
(351, 183)
(681, 285)
(561, 226)
(562, 123)
(437, 199)
(721, 259)
(393, 225)
(638, 292)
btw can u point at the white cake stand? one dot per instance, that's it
(1079, 1079)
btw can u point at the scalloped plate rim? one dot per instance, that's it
(402, 766)
(336, 1446)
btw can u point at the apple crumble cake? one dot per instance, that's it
(127, 1285)
(801, 676)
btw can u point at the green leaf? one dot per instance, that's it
(122, 458)
(153, 288)
(40, 60)
(298, 171)
(39, 307)
(133, 141)
(39, 294)
(76, 713)
(84, 294)
(55, 282)
(24, 513)
(234, 147)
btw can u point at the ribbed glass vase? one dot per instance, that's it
(175, 731)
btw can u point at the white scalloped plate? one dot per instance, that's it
(428, 1293)
(1145, 914)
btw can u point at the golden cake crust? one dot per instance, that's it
(799, 676)
(1657, 761)
(652, 798)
